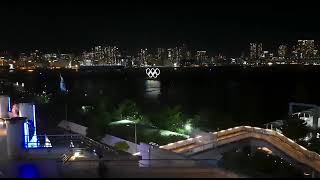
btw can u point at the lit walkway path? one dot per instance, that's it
(131, 170)
(216, 139)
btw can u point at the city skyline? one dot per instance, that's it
(302, 52)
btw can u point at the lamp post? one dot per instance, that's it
(135, 136)
(188, 127)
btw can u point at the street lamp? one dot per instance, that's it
(188, 127)
(126, 121)
(135, 135)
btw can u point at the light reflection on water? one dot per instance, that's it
(153, 88)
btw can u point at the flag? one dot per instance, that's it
(62, 84)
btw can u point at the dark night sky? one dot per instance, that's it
(217, 27)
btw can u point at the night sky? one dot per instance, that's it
(217, 27)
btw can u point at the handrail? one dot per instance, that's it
(281, 137)
(76, 137)
(252, 132)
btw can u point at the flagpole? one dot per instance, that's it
(66, 111)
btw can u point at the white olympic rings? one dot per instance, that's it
(153, 72)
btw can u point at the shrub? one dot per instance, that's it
(121, 146)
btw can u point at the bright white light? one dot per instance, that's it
(76, 154)
(169, 133)
(303, 148)
(48, 143)
(269, 63)
(280, 134)
(188, 127)
(265, 149)
(290, 140)
(122, 122)
(137, 154)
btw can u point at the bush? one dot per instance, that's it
(121, 146)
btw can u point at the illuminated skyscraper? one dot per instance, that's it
(253, 50)
(98, 54)
(174, 56)
(259, 51)
(282, 51)
(36, 56)
(160, 56)
(305, 49)
(201, 57)
(143, 53)
(189, 56)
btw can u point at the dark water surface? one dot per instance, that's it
(222, 96)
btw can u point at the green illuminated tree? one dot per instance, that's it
(121, 146)
(98, 119)
(172, 118)
(130, 111)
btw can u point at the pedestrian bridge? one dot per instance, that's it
(215, 140)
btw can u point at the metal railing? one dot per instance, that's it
(40, 141)
(256, 132)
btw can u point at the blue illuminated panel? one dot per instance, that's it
(9, 104)
(34, 141)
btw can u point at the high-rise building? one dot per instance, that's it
(98, 54)
(253, 50)
(189, 55)
(201, 57)
(259, 51)
(282, 51)
(160, 56)
(169, 60)
(174, 55)
(36, 56)
(143, 56)
(305, 49)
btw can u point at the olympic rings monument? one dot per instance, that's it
(152, 85)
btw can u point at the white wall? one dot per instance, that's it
(26, 110)
(73, 127)
(107, 139)
(112, 140)
(4, 106)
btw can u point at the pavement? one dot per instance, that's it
(169, 172)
